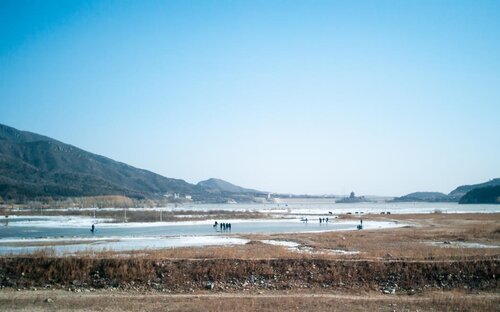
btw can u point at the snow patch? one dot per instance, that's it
(125, 244)
(451, 244)
(281, 243)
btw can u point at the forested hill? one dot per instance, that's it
(482, 195)
(460, 191)
(33, 165)
(423, 197)
(224, 186)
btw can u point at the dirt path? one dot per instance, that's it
(59, 300)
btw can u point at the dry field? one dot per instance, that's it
(245, 302)
(413, 242)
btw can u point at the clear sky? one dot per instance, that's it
(379, 97)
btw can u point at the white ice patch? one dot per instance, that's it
(86, 222)
(312, 251)
(56, 221)
(296, 247)
(281, 243)
(450, 244)
(126, 244)
(323, 207)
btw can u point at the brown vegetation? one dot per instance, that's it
(245, 302)
(121, 215)
(103, 201)
(411, 242)
(227, 274)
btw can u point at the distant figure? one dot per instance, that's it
(92, 229)
(215, 225)
(6, 220)
(361, 221)
(326, 220)
(220, 226)
(224, 226)
(319, 220)
(229, 226)
(306, 220)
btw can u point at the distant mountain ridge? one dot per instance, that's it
(460, 191)
(424, 197)
(33, 165)
(454, 196)
(482, 195)
(224, 186)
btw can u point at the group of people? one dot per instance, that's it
(223, 226)
(321, 220)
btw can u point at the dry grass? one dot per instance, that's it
(269, 301)
(236, 274)
(252, 250)
(410, 242)
(118, 215)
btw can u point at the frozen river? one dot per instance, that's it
(72, 233)
(323, 207)
(56, 227)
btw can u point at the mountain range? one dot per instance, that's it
(33, 165)
(487, 192)
(424, 197)
(218, 185)
(460, 191)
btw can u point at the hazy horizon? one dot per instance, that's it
(325, 97)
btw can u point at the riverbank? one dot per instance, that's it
(439, 261)
(233, 275)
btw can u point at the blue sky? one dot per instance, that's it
(379, 97)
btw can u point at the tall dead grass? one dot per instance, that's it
(273, 273)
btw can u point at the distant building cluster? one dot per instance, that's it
(177, 196)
